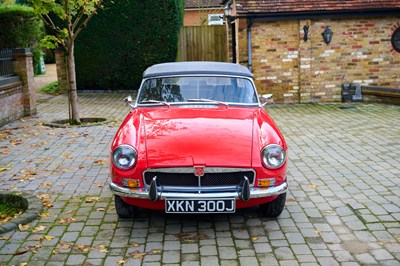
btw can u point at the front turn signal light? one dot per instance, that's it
(131, 183)
(266, 182)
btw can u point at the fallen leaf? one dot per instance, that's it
(15, 142)
(46, 184)
(67, 220)
(191, 238)
(254, 238)
(43, 196)
(91, 199)
(63, 170)
(39, 229)
(155, 251)
(6, 151)
(66, 155)
(135, 245)
(4, 169)
(21, 252)
(121, 262)
(101, 209)
(4, 237)
(181, 235)
(44, 215)
(99, 161)
(40, 144)
(47, 203)
(313, 186)
(36, 246)
(23, 264)
(137, 255)
(82, 248)
(64, 245)
(102, 249)
(6, 219)
(24, 227)
(100, 185)
(47, 237)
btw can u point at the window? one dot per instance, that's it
(396, 39)
(215, 19)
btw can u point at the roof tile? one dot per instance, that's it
(203, 3)
(275, 6)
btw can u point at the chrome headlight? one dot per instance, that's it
(124, 157)
(273, 156)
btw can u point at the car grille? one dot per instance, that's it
(190, 180)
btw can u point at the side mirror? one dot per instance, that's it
(266, 98)
(128, 101)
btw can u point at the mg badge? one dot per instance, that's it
(199, 171)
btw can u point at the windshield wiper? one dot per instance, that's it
(154, 101)
(206, 100)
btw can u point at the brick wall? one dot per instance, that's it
(11, 102)
(198, 17)
(17, 93)
(297, 71)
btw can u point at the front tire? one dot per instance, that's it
(274, 208)
(123, 209)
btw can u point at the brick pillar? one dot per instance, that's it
(23, 67)
(62, 76)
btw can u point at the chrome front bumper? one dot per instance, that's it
(141, 193)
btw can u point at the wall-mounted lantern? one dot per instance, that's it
(228, 11)
(327, 35)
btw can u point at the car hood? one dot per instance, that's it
(221, 136)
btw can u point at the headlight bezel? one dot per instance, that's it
(266, 160)
(131, 157)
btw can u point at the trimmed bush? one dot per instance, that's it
(123, 39)
(20, 28)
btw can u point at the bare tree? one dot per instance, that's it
(75, 14)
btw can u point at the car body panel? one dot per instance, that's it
(188, 137)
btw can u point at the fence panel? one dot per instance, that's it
(6, 62)
(202, 43)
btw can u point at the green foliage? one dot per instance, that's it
(124, 39)
(51, 88)
(20, 28)
(9, 211)
(64, 18)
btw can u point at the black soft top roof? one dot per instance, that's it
(188, 68)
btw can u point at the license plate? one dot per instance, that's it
(200, 205)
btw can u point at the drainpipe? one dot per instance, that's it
(233, 30)
(249, 43)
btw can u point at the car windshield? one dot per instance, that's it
(198, 89)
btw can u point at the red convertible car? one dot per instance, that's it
(198, 140)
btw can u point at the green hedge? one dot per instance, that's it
(20, 28)
(123, 39)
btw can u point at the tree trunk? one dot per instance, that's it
(72, 86)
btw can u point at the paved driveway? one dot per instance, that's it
(343, 207)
